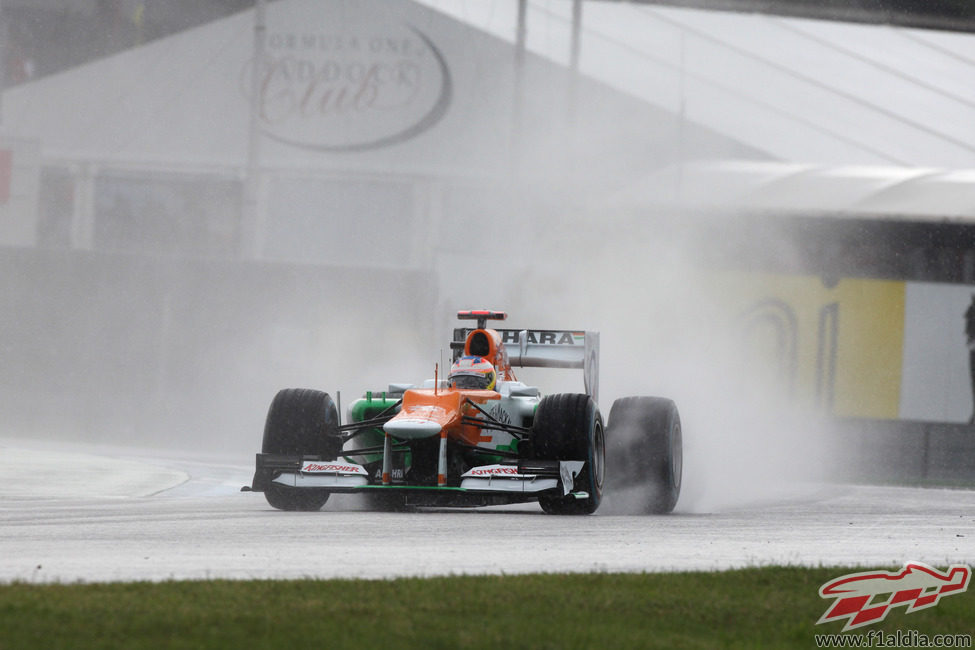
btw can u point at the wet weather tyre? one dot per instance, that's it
(295, 499)
(568, 426)
(300, 422)
(647, 450)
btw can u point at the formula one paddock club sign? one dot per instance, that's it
(348, 82)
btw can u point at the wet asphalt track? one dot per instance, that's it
(158, 518)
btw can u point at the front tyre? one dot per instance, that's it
(295, 499)
(649, 449)
(569, 427)
(300, 422)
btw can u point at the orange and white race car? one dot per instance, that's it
(479, 437)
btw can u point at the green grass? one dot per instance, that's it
(752, 608)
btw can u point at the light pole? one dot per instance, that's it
(3, 60)
(518, 96)
(251, 219)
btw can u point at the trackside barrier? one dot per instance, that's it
(904, 451)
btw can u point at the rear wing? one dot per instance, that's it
(546, 349)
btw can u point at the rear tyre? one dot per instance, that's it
(300, 422)
(648, 449)
(569, 427)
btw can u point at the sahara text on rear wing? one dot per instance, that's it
(546, 349)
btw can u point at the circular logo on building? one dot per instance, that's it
(349, 84)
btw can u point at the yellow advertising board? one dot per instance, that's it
(836, 348)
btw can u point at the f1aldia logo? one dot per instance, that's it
(917, 586)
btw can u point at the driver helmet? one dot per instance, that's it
(473, 373)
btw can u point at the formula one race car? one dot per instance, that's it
(481, 437)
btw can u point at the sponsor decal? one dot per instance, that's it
(510, 471)
(866, 598)
(546, 337)
(500, 414)
(332, 468)
(364, 82)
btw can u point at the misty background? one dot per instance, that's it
(765, 209)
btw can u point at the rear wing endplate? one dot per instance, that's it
(547, 349)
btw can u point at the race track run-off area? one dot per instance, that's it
(117, 515)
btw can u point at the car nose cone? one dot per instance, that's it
(411, 428)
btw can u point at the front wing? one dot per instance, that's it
(496, 484)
